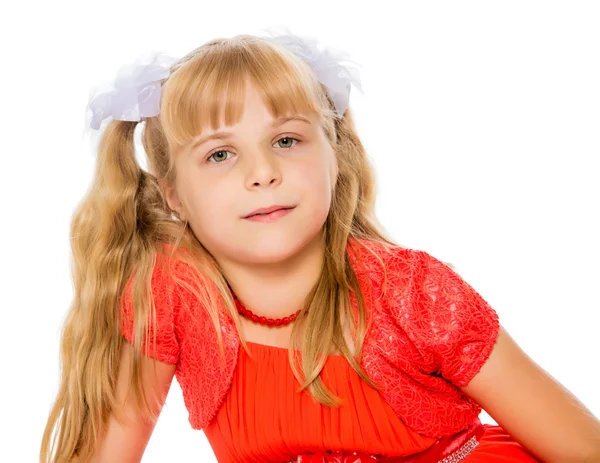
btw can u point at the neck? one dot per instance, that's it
(277, 290)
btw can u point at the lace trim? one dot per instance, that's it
(357, 457)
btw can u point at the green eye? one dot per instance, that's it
(288, 139)
(215, 156)
(218, 157)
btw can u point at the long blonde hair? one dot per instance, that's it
(124, 220)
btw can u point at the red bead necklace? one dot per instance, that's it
(264, 320)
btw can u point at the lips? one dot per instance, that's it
(267, 210)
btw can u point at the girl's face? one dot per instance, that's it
(260, 162)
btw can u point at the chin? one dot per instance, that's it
(270, 248)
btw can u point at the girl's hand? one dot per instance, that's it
(534, 408)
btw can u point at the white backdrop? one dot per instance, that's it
(482, 119)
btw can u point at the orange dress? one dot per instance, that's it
(264, 419)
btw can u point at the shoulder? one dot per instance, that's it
(386, 264)
(446, 318)
(424, 294)
(407, 269)
(417, 281)
(166, 283)
(175, 271)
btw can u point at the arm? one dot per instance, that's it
(533, 407)
(126, 442)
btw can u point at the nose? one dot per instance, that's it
(263, 170)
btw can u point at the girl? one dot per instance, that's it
(254, 227)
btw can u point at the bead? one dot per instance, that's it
(462, 453)
(264, 320)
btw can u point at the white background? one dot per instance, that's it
(482, 119)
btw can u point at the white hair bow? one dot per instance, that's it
(326, 63)
(135, 92)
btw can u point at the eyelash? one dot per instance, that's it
(219, 150)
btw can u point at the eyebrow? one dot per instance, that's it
(223, 134)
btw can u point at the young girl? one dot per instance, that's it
(247, 261)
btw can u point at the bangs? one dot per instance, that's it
(208, 88)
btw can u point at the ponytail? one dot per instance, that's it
(111, 228)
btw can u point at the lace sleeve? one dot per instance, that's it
(456, 325)
(165, 300)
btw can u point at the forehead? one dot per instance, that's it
(201, 101)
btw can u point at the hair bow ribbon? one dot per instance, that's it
(135, 92)
(326, 63)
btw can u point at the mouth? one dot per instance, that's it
(269, 214)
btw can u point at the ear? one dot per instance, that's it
(174, 202)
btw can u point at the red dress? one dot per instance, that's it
(430, 333)
(264, 419)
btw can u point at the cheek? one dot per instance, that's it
(319, 167)
(318, 177)
(210, 208)
(315, 182)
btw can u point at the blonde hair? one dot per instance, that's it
(124, 220)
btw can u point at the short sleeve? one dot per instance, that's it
(457, 326)
(166, 306)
